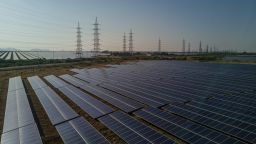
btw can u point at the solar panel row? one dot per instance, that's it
(225, 101)
(57, 110)
(164, 74)
(117, 100)
(36, 82)
(215, 97)
(90, 105)
(166, 77)
(228, 113)
(183, 128)
(231, 127)
(150, 96)
(15, 83)
(71, 127)
(19, 124)
(142, 97)
(78, 131)
(24, 135)
(17, 112)
(131, 130)
(55, 81)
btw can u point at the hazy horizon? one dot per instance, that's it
(47, 24)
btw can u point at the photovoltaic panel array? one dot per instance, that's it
(220, 97)
(17, 111)
(131, 130)
(90, 105)
(71, 127)
(143, 98)
(79, 131)
(234, 127)
(24, 135)
(19, 124)
(57, 110)
(36, 82)
(187, 130)
(55, 81)
(15, 83)
(115, 99)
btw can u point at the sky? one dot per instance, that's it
(51, 24)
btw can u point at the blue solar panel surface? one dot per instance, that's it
(90, 105)
(214, 96)
(56, 109)
(124, 103)
(184, 128)
(19, 124)
(78, 131)
(131, 130)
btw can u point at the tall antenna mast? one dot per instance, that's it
(96, 39)
(159, 45)
(79, 50)
(124, 43)
(131, 42)
(183, 46)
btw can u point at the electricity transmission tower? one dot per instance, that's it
(131, 42)
(96, 39)
(79, 50)
(200, 47)
(189, 46)
(159, 45)
(124, 43)
(183, 46)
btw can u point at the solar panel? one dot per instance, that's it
(76, 70)
(183, 128)
(78, 130)
(154, 102)
(148, 95)
(36, 82)
(56, 109)
(15, 83)
(17, 112)
(87, 79)
(76, 82)
(222, 111)
(131, 130)
(92, 106)
(235, 128)
(19, 125)
(25, 135)
(56, 82)
(117, 100)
